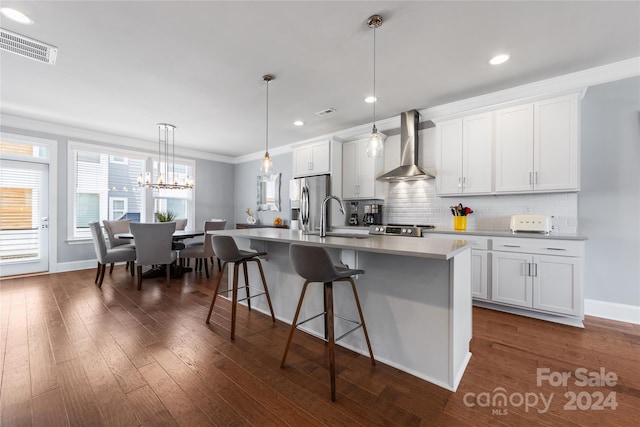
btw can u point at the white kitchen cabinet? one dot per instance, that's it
(312, 159)
(359, 172)
(479, 265)
(540, 274)
(466, 155)
(510, 281)
(479, 274)
(537, 147)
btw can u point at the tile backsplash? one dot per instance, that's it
(415, 202)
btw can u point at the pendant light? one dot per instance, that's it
(374, 145)
(166, 163)
(267, 164)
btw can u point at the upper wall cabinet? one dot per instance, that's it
(465, 155)
(537, 147)
(312, 159)
(359, 172)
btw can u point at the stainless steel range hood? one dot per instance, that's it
(409, 169)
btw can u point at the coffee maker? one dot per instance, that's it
(372, 214)
(353, 219)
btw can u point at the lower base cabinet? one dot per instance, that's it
(479, 276)
(537, 274)
(551, 283)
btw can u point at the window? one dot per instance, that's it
(103, 185)
(117, 207)
(118, 159)
(178, 202)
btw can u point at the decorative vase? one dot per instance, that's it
(251, 220)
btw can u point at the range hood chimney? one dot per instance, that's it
(409, 169)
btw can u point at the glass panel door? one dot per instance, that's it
(24, 212)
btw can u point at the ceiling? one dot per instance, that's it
(124, 66)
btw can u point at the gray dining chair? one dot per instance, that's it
(108, 256)
(181, 224)
(204, 251)
(153, 246)
(117, 227)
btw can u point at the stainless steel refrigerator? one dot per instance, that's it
(306, 197)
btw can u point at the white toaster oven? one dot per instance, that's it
(531, 223)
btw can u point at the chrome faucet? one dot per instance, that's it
(323, 214)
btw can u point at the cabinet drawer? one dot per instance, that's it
(540, 246)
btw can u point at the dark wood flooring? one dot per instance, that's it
(74, 354)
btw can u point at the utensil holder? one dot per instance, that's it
(460, 223)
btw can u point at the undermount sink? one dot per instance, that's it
(342, 234)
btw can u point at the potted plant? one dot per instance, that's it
(167, 216)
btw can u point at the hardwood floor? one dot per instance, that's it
(74, 354)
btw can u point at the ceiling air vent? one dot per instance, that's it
(27, 47)
(326, 111)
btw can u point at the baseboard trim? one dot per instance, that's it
(612, 311)
(73, 266)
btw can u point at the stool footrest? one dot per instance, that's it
(252, 296)
(241, 288)
(310, 318)
(357, 323)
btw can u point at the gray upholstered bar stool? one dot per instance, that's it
(226, 249)
(314, 264)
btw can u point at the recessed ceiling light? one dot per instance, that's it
(499, 59)
(370, 99)
(15, 15)
(298, 123)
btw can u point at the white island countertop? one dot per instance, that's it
(394, 245)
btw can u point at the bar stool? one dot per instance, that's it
(226, 249)
(314, 264)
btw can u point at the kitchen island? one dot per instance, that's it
(415, 295)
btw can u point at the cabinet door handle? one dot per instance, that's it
(464, 181)
(511, 246)
(310, 165)
(556, 249)
(535, 269)
(527, 267)
(535, 177)
(530, 178)
(459, 182)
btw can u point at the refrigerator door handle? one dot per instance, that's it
(305, 205)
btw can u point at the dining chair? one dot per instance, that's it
(153, 246)
(203, 252)
(108, 256)
(116, 227)
(181, 224)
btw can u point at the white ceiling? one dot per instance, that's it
(124, 66)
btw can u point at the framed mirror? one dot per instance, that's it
(269, 192)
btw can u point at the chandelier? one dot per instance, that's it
(166, 149)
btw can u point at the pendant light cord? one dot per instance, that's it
(374, 77)
(267, 123)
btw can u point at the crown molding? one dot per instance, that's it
(80, 134)
(555, 86)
